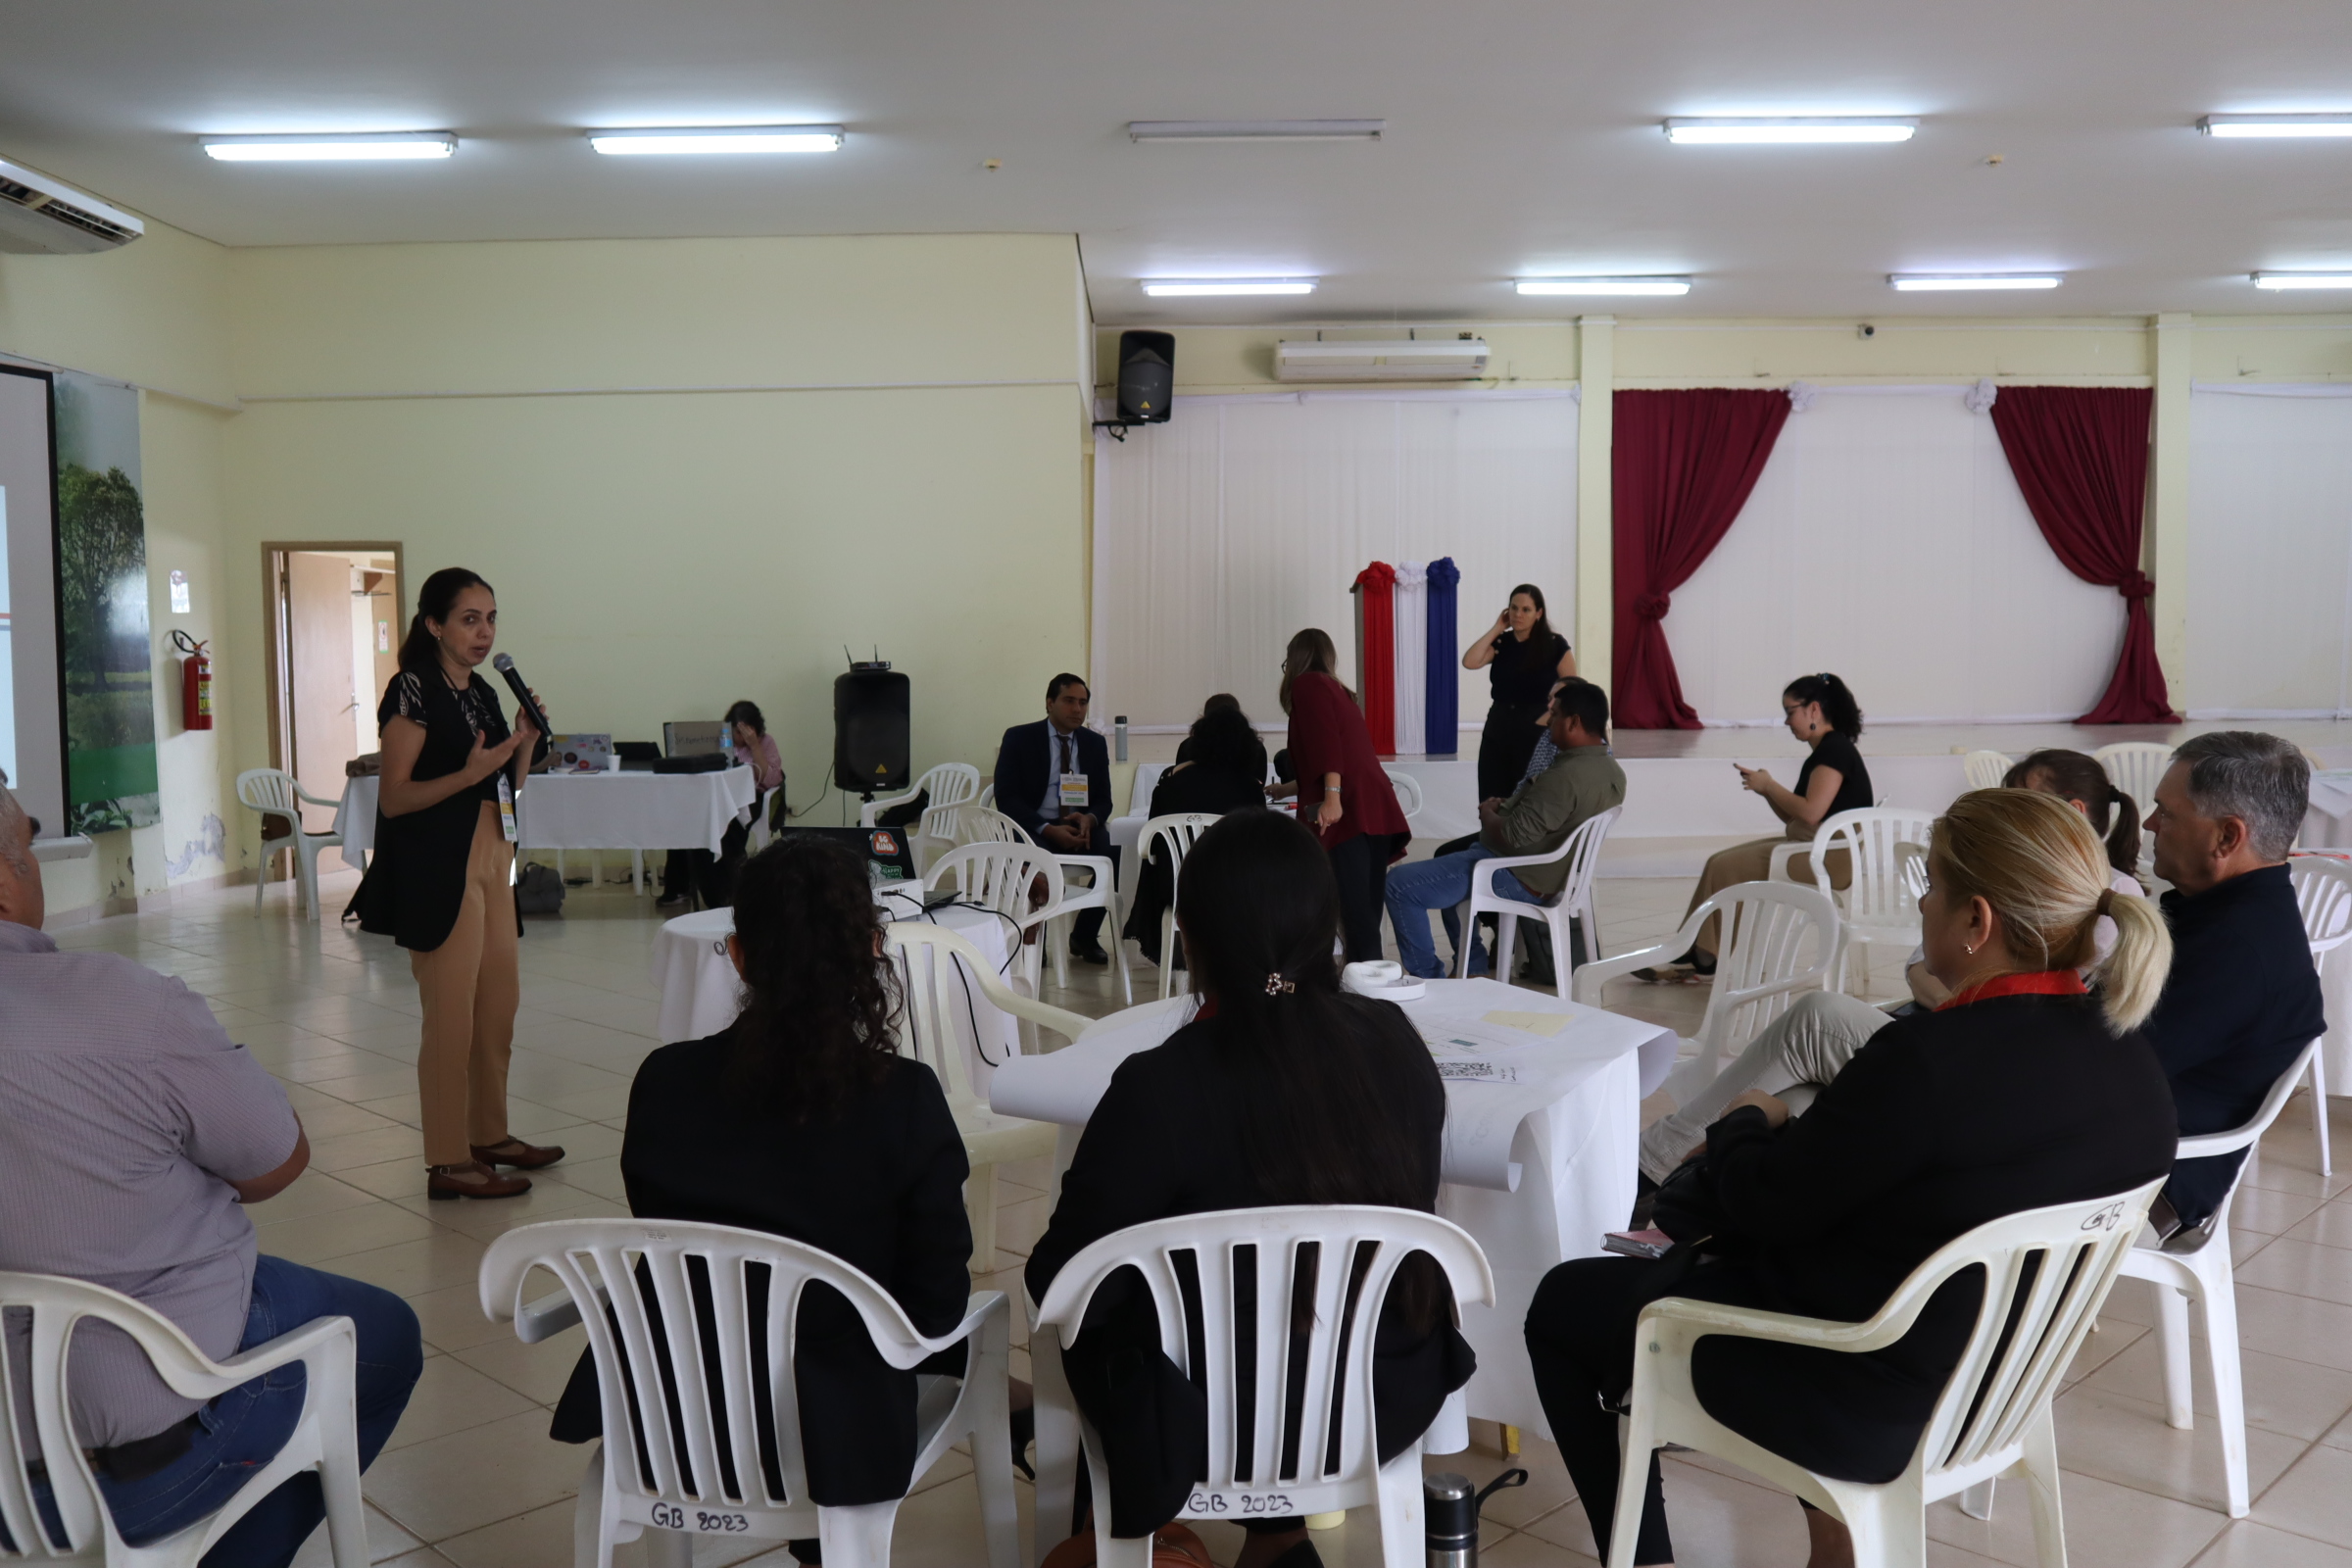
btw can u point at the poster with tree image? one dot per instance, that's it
(102, 589)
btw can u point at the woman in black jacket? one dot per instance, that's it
(439, 883)
(2020, 1092)
(801, 1120)
(1282, 1090)
(1220, 768)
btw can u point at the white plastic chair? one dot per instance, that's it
(273, 791)
(934, 1000)
(2324, 893)
(1769, 930)
(1409, 792)
(762, 829)
(1178, 830)
(1994, 1417)
(2207, 1280)
(325, 1437)
(1008, 879)
(684, 1484)
(2135, 768)
(1986, 770)
(949, 784)
(1881, 903)
(1571, 905)
(980, 825)
(1338, 1358)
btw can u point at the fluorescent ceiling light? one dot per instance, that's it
(2303, 279)
(1163, 287)
(1603, 285)
(698, 139)
(373, 147)
(1942, 283)
(1754, 129)
(2277, 126)
(1255, 129)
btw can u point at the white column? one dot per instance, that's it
(1595, 520)
(2164, 551)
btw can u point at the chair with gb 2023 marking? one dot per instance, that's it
(712, 1469)
(1021, 882)
(1294, 1254)
(1174, 834)
(324, 1439)
(2046, 1272)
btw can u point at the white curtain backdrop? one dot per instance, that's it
(1886, 541)
(2269, 552)
(1243, 519)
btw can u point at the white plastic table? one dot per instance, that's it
(700, 994)
(1537, 1168)
(625, 811)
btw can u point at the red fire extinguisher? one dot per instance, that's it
(195, 683)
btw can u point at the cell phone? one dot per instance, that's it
(1650, 1244)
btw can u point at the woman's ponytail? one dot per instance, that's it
(2122, 832)
(2132, 976)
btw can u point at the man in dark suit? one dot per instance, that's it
(2242, 999)
(1053, 779)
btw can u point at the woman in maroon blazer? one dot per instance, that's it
(1344, 794)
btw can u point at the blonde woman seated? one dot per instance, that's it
(1823, 714)
(1805, 1048)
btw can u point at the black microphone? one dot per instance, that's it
(504, 663)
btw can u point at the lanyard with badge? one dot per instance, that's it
(1073, 785)
(506, 806)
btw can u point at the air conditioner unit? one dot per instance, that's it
(44, 216)
(1428, 358)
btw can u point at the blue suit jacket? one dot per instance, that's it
(1023, 774)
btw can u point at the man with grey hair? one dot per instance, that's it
(134, 1134)
(2243, 998)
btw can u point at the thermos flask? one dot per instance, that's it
(1121, 730)
(1449, 1510)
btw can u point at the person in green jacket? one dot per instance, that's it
(1580, 783)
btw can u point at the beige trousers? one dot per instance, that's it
(470, 989)
(1809, 1044)
(1748, 863)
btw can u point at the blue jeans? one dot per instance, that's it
(242, 1430)
(1441, 884)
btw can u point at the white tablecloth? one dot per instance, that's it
(1535, 1169)
(701, 995)
(597, 811)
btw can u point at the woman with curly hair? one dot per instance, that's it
(801, 1119)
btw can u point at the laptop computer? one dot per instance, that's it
(692, 737)
(888, 852)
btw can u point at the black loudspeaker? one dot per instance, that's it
(870, 730)
(1147, 376)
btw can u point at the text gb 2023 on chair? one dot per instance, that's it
(1571, 905)
(325, 1437)
(706, 1473)
(1880, 901)
(1779, 938)
(1336, 1363)
(2324, 893)
(274, 793)
(2051, 1266)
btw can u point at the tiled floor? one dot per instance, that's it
(471, 1480)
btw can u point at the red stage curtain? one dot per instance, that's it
(2081, 456)
(1685, 462)
(1376, 663)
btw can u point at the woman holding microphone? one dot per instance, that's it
(1522, 656)
(439, 885)
(1343, 793)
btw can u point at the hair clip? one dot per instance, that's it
(1276, 985)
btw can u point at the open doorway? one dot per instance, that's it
(335, 625)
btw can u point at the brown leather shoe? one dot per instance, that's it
(519, 1154)
(473, 1179)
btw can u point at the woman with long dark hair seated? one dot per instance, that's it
(801, 1119)
(1282, 1090)
(1223, 769)
(2020, 1092)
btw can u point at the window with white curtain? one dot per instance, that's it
(2269, 552)
(1242, 520)
(1886, 541)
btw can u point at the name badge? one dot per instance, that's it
(506, 807)
(1073, 792)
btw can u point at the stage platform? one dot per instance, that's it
(1683, 800)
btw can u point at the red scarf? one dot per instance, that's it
(2048, 983)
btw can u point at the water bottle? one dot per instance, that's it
(1119, 729)
(1450, 1508)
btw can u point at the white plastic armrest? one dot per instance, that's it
(1589, 977)
(316, 800)
(547, 1318)
(1781, 855)
(1099, 864)
(1675, 1323)
(2210, 1144)
(983, 1306)
(880, 804)
(295, 1344)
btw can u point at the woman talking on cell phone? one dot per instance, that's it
(1523, 656)
(439, 882)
